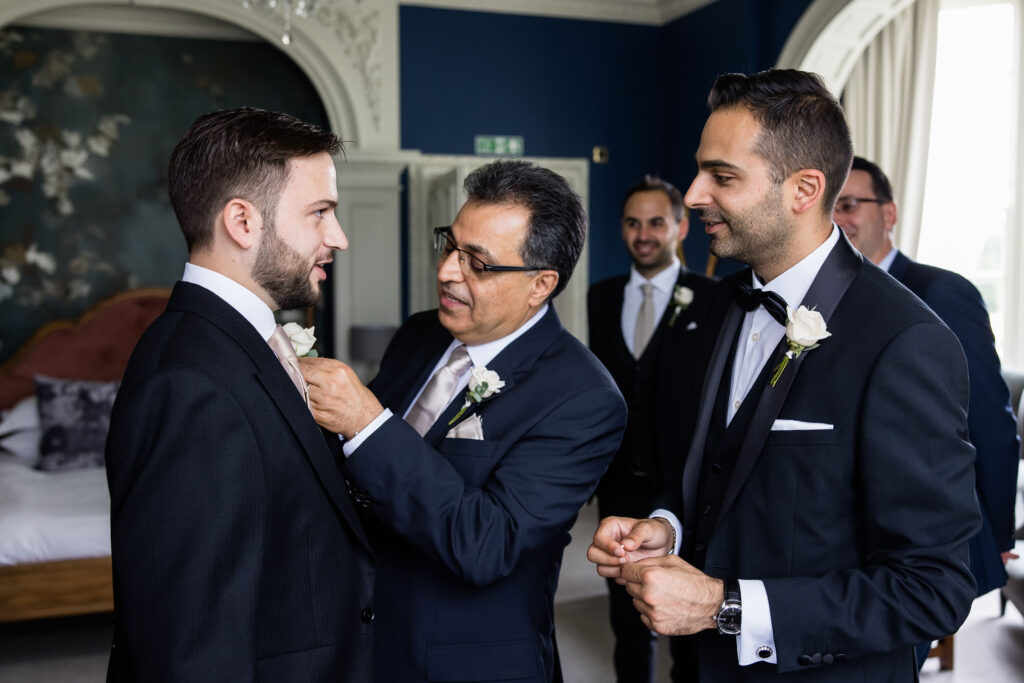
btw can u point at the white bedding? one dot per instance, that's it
(48, 516)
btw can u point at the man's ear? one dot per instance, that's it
(242, 222)
(889, 214)
(543, 285)
(808, 189)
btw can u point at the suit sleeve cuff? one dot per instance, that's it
(349, 446)
(677, 528)
(756, 642)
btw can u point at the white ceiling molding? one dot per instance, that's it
(140, 20)
(646, 12)
(832, 34)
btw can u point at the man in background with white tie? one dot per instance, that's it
(644, 327)
(238, 554)
(509, 422)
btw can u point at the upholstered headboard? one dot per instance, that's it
(94, 347)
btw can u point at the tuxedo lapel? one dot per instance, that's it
(824, 295)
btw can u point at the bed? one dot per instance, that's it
(54, 525)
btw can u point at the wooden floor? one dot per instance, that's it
(989, 648)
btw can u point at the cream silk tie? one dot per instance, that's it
(282, 347)
(438, 393)
(644, 321)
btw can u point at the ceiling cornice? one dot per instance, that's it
(646, 12)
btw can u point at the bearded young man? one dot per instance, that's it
(237, 552)
(828, 493)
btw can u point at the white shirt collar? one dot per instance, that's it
(886, 263)
(665, 281)
(793, 284)
(239, 297)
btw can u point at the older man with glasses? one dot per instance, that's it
(485, 431)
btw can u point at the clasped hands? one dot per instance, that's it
(673, 597)
(338, 400)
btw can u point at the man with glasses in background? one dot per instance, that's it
(866, 212)
(485, 431)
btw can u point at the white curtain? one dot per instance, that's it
(888, 102)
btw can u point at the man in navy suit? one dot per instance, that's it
(658, 306)
(828, 492)
(867, 214)
(238, 554)
(509, 422)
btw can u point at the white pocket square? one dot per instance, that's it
(692, 325)
(470, 428)
(797, 425)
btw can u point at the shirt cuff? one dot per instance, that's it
(349, 446)
(677, 528)
(756, 642)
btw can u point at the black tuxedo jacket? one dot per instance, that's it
(237, 553)
(859, 532)
(665, 416)
(991, 423)
(470, 532)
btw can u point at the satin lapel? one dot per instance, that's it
(826, 291)
(712, 380)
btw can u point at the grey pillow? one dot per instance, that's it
(74, 417)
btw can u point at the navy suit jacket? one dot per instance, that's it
(237, 552)
(991, 423)
(470, 533)
(859, 532)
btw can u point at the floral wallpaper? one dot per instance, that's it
(87, 123)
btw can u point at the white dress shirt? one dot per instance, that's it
(759, 334)
(240, 298)
(481, 355)
(886, 263)
(664, 284)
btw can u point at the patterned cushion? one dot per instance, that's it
(74, 416)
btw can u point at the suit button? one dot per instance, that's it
(716, 468)
(828, 659)
(707, 509)
(804, 660)
(367, 615)
(816, 658)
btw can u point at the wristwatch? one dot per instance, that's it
(730, 612)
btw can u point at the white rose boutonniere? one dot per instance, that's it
(804, 329)
(483, 384)
(682, 297)
(302, 339)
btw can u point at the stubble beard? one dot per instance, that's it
(758, 237)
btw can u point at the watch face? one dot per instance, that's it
(729, 619)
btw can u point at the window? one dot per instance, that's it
(971, 220)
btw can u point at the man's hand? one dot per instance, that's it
(338, 399)
(619, 540)
(673, 597)
(1008, 555)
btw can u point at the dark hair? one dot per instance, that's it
(241, 153)
(652, 183)
(879, 182)
(558, 224)
(802, 124)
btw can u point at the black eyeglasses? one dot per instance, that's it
(444, 245)
(850, 204)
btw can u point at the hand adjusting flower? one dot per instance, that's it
(302, 339)
(804, 329)
(682, 297)
(483, 384)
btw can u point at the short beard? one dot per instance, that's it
(282, 272)
(757, 237)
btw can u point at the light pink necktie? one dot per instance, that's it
(282, 347)
(438, 393)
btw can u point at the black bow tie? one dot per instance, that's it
(749, 299)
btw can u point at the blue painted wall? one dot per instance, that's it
(567, 85)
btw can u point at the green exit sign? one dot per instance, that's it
(501, 145)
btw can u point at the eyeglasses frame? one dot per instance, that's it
(445, 232)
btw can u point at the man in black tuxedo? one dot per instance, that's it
(828, 493)
(238, 554)
(644, 327)
(867, 214)
(488, 427)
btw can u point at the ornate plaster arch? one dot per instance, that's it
(832, 34)
(344, 52)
